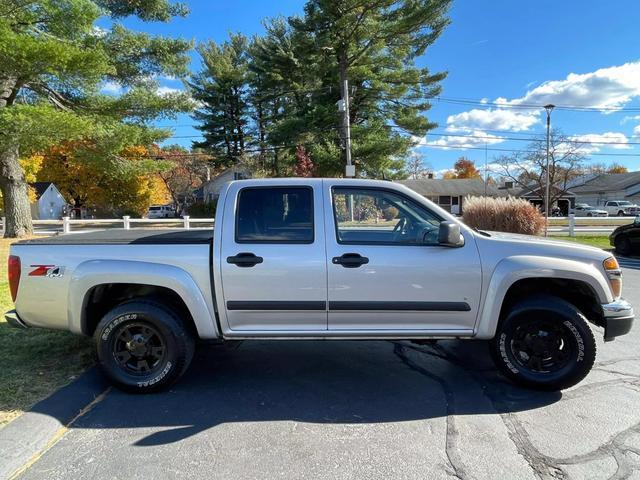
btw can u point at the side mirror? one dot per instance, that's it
(449, 235)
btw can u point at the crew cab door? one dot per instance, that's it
(272, 259)
(386, 271)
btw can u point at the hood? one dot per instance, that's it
(515, 244)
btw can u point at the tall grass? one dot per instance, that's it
(513, 215)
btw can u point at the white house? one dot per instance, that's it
(49, 204)
(210, 190)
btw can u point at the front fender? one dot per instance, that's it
(98, 272)
(512, 269)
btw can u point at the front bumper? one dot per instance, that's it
(14, 320)
(617, 319)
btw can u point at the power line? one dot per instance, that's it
(446, 147)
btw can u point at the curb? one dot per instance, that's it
(23, 439)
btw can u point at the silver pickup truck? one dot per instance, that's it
(321, 259)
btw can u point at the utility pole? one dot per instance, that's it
(350, 170)
(547, 196)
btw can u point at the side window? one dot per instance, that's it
(375, 216)
(275, 215)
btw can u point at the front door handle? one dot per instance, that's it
(350, 260)
(245, 259)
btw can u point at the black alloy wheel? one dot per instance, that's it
(542, 346)
(545, 343)
(143, 345)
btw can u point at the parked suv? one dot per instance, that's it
(621, 208)
(161, 211)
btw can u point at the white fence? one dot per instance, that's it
(573, 225)
(66, 224)
(570, 225)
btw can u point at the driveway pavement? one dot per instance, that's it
(351, 410)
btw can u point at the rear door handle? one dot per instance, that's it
(350, 260)
(245, 259)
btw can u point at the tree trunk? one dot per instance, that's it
(15, 194)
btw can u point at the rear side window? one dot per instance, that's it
(275, 215)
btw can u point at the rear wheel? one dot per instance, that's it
(143, 346)
(544, 343)
(623, 245)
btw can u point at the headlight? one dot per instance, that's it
(614, 274)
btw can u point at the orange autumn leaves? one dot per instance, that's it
(123, 185)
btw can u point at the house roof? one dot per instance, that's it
(534, 191)
(40, 187)
(454, 187)
(608, 182)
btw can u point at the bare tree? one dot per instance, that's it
(416, 166)
(527, 168)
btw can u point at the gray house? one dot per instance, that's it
(597, 189)
(450, 193)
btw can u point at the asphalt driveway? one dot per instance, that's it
(361, 410)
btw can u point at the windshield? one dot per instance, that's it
(624, 204)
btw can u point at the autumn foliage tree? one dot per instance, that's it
(463, 168)
(188, 170)
(129, 185)
(304, 165)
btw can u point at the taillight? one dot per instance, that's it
(14, 275)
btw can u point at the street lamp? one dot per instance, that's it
(547, 196)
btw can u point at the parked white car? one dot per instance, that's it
(161, 211)
(622, 208)
(584, 210)
(292, 259)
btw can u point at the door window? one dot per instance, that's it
(377, 216)
(275, 215)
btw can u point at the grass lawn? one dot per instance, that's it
(33, 363)
(600, 241)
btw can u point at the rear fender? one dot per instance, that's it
(99, 272)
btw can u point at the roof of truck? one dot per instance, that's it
(138, 236)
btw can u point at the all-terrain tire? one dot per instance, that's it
(552, 326)
(143, 346)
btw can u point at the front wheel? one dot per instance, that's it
(544, 343)
(621, 213)
(143, 346)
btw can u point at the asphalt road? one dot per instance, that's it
(347, 410)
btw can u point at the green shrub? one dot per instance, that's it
(513, 215)
(203, 210)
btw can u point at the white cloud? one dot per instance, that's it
(475, 138)
(112, 88)
(630, 119)
(617, 140)
(636, 130)
(609, 88)
(164, 90)
(491, 119)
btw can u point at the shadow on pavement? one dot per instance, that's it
(318, 382)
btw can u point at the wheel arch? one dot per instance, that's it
(98, 285)
(518, 278)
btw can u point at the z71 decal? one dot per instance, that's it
(51, 271)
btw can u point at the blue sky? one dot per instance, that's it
(506, 53)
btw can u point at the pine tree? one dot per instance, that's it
(221, 91)
(55, 61)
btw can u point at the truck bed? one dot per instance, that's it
(140, 236)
